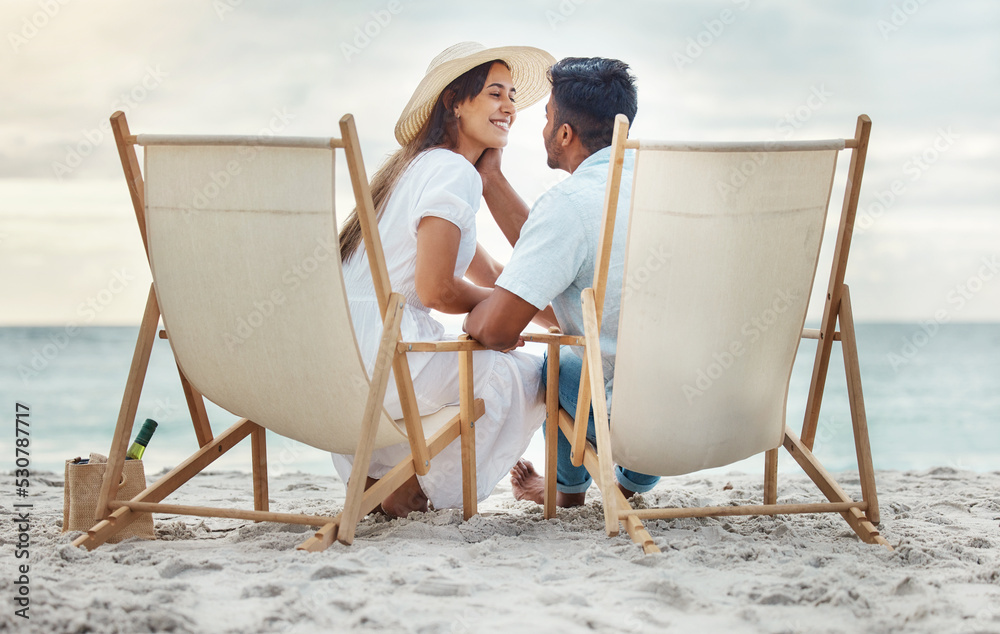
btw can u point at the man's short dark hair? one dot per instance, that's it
(588, 93)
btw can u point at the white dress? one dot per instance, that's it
(444, 184)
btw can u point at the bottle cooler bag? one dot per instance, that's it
(83, 486)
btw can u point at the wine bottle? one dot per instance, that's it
(141, 440)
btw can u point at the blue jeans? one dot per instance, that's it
(570, 479)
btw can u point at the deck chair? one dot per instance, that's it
(706, 341)
(242, 243)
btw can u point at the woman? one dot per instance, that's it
(426, 196)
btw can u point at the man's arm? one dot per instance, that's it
(508, 209)
(497, 321)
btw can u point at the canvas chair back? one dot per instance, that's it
(723, 244)
(243, 247)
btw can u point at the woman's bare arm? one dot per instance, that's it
(437, 251)
(508, 209)
(484, 270)
(546, 318)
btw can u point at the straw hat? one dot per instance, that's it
(528, 68)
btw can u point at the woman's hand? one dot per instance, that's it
(505, 205)
(488, 167)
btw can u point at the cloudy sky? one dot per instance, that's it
(925, 71)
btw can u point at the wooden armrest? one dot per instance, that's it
(548, 337)
(813, 333)
(471, 344)
(439, 346)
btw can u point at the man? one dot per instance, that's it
(555, 249)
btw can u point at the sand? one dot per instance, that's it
(508, 569)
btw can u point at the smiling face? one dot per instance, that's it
(484, 121)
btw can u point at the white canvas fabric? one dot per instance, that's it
(245, 261)
(722, 251)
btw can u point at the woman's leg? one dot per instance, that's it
(510, 386)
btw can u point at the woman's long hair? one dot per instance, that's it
(440, 130)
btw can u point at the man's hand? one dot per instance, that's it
(519, 344)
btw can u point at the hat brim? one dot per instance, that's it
(528, 69)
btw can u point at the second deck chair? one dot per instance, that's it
(242, 244)
(709, 329)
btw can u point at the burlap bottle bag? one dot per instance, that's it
(83, 487)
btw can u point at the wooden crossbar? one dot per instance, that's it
(748, 509)
(209, 511)
(742, 146)
(258, 140)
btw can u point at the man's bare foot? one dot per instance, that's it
(407, 498)
(627, 493)
(528, 484)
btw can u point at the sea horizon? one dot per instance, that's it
(932, 394)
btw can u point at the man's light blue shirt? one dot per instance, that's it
(556, 253)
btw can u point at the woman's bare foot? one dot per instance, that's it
(528, 484)
(407, 498)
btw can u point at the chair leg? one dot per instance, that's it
(595, 376)
(196, 406)
(633, 525)
(372, 416)
(639, 534)
(834, 291)
(466, 380)
(771, 476)
(858, 521)
(849, 343)
(578, 441)
(321, 539)
(258, 452)
(352, 512)
(551, 431)
(130, 404)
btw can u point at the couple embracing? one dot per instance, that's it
(426, 196)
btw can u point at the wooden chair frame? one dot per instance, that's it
(112, 515)
(862, 516)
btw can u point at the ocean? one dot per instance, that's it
(932, 394)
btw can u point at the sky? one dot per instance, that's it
(927, 245)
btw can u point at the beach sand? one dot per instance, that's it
(507, 569)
